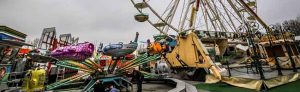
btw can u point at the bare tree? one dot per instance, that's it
(276, 30)
(298, 18)
(36, 42)
(292, 26)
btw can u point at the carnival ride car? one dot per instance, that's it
(120, 50)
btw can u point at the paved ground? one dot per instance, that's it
(146, 88)
(154, 88)
(195, 83)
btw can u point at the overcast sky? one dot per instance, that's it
(107, 21)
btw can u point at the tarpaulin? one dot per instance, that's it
(255, 84)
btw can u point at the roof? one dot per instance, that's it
(13, 43)
(12, 31)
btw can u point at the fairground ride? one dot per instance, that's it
(214, 21)
(199, 24)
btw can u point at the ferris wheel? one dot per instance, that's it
(235, 16)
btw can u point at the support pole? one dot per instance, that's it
(289, 51)
(229, 73)
(256, 56)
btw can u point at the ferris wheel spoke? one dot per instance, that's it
(208, 15)
(155, 13)
(171, 15)
(185, 15)
(226, 12)
(204, 15)
(228, 21)
(214, 12)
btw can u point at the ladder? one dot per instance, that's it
(60, 73)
